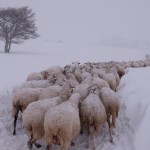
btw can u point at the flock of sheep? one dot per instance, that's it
(60, 103)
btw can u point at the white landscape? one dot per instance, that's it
(63, 42)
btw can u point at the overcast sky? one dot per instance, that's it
(88, 20)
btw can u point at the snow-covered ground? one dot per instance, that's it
(71, 31)
(133, 122)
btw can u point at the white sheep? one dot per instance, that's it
(62, 123)
(92, 114)
(120, 70)
(111, 80)
(83, 87)
(22, 98)
(55, 90)
(33, 118)
(56, 69)
(86, 78)
(113, 70)
(35, 76)
(60, 79)
(96, 80)
(36, 84)
(111, 101)
(72, 79)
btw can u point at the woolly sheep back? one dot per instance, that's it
(62, 122)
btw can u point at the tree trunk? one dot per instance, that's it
(7, 46)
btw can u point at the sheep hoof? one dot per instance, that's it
(14, 133)
(72, 144)
(111, 140)
(47, 147)
(87, 146)
(37, 145)
(29, 146)
(93, 148)
(81, 132)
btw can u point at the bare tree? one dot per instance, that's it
(16, 25)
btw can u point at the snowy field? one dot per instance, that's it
(71, 30)
(133, 122)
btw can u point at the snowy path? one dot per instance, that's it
(131, 127)
(123, 137)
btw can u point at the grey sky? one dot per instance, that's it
(89, 20)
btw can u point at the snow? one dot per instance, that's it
(63, 43)
(133, 122)
(135, 93)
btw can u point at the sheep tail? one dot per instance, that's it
(91, 119)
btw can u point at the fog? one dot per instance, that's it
(89, 21)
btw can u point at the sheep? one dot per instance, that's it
(36, 84)
(83, 89)
(35, 76)
(33, 118)
(22, 98)
(77, 74)
(56, 69)
(55, 90)
(68, 69)
(86, 67)
(96, 80)
(60, 79)
(50, 92)
(86, 78)
(110, 78)
(71, 79)
(111, 103)
(53, 77)
(75, 64)
(135, 64)
(92, 114)
(120, 70)
(98, 72)
(113, 70)
(62, 123)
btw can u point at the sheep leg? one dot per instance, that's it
(94, 137)
(72, 143)
(49, 147)
(110, 129)
(63, 147)
(15, 121)
(81, 130)
(114, 119)
(49, 139)
(88, 136)
(37, 145)
(29, 143)
(33, 141)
